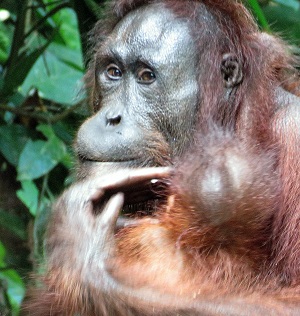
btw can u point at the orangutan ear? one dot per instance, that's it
(231, 70)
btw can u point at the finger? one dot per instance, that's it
(126, 180)
(131, 177)
(106, 221)
(129, 222)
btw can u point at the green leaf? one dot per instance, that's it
(68, 28)
(56, 77)
(29, 195)
(56, 146)
(18, 72)
(4, 43)
(65, 131)
(34, 161)
(69, 56)
(15, 288)
(2, 255)
(39, 157)
(46, 130)
(285, 20)
(259, 14)
(293, 4)
(12, 141)
(14, 224)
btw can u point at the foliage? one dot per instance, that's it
(278, 16)
(41, 106)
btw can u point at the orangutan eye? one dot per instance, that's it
(113, 72)
(146, 76)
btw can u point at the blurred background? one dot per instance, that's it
(43, 57)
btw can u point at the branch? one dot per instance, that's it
(48, 15)
(44, 117)
(44, 5)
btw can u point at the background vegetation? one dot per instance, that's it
(42, 105)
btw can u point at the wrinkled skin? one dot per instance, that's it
(148, 106)
(144, 101)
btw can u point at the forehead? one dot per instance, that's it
(152, 30)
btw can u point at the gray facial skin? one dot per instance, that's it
(146, 80)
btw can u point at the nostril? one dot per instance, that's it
(113, 120)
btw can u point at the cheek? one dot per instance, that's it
(181, 103)
(180, 86)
